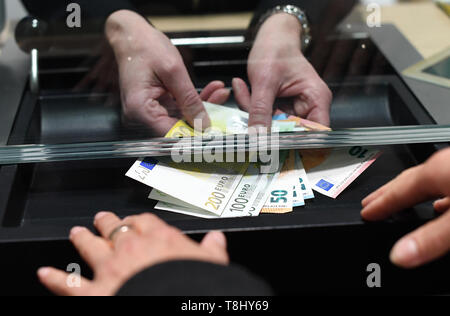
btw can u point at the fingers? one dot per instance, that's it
(141, 106)
(242, 94)
(94, 250)
(442, 205)
(424, 245)
(212, 87)
(405, 191)
(375, 195)
(320, 114)
(106, 222)
(64, 284)
(220, 96)
(216, 243)
(416, 185)
(315, 101)
(262, 100)
(145, 223)
(177, 81)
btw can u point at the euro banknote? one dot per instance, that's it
(206, 186)
(226, 120)
(284, 192)
(303, 180)
(331, 171)
(247, 200)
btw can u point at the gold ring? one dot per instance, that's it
(121, 229)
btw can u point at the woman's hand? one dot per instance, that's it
(151, 241)
(156, 89)
(425, 182)
(278, 69)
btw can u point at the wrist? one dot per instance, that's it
(124, 31)
(282, 24)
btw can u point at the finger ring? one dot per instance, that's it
(121, 229)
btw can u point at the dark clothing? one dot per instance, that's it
(191, 278)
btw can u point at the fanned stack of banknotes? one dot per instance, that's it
(240, 189)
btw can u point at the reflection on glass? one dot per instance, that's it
(441, 69)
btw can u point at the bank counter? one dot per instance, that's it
(322, 248)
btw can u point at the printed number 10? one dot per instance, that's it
(358, 151)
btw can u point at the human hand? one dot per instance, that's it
(425, 182)
(278, 69)
(150, 242)
(155, 86)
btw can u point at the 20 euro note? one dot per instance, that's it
(206, 186)
(247, 200)
(303, 180)
(331, 171)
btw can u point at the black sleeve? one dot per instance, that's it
(193, 278)
(94, 13)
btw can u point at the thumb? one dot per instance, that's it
(216, 243)
(426, 244)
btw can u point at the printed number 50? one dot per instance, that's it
(279, 196)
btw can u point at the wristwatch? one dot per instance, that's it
(292, 10)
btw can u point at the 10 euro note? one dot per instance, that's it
(331, 171)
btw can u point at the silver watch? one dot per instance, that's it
(292, 10)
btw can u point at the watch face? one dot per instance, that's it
(434, 70)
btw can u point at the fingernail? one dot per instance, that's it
(404, 252)
(234, 83)
(219, 237)
(257, 129)
(364, 202)
(76, 230)
(100, 215)
(203, 119)
(43, 272)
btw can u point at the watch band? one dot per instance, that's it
(292, 10)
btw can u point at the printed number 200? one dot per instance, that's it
(215, 200)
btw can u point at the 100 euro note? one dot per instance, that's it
(247, 200)
(206, 186)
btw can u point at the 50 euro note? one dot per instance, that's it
(247, 200)
(285, 193)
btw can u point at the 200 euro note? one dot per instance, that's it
(206, 186)
(331, 171)
(247, 200)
